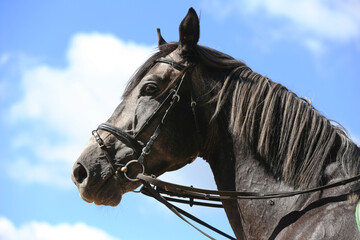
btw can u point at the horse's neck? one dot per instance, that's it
(221, 159)
(237, 169)
(260, 217)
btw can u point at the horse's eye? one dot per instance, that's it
(149, 89)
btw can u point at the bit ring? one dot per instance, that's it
(124, 170)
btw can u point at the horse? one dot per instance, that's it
(188, 101)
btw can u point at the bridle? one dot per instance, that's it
(142, 150)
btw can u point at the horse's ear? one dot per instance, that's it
(189, 32)
(161, 41)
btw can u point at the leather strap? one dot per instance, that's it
(171, 62)
(102, 146)
(214, 194)
(179, 212)
(141, 151)
(121, 135)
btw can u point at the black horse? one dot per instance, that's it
(189, 101)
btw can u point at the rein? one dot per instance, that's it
(215, 195)
(180, 191)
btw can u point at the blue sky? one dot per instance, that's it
(64, 65)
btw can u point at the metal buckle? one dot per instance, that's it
(177, 96)
(98, 139)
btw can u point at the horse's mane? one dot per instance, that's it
(294, 140)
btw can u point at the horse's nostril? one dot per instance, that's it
(80, 173)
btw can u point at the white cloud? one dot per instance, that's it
(4, 85)
(62, 106)
(4, 58)
(315, 46)
(26, 171)
(45, 231)
(319, 20)
(335, 20)
(85, 92)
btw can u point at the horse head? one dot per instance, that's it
(153, 129)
